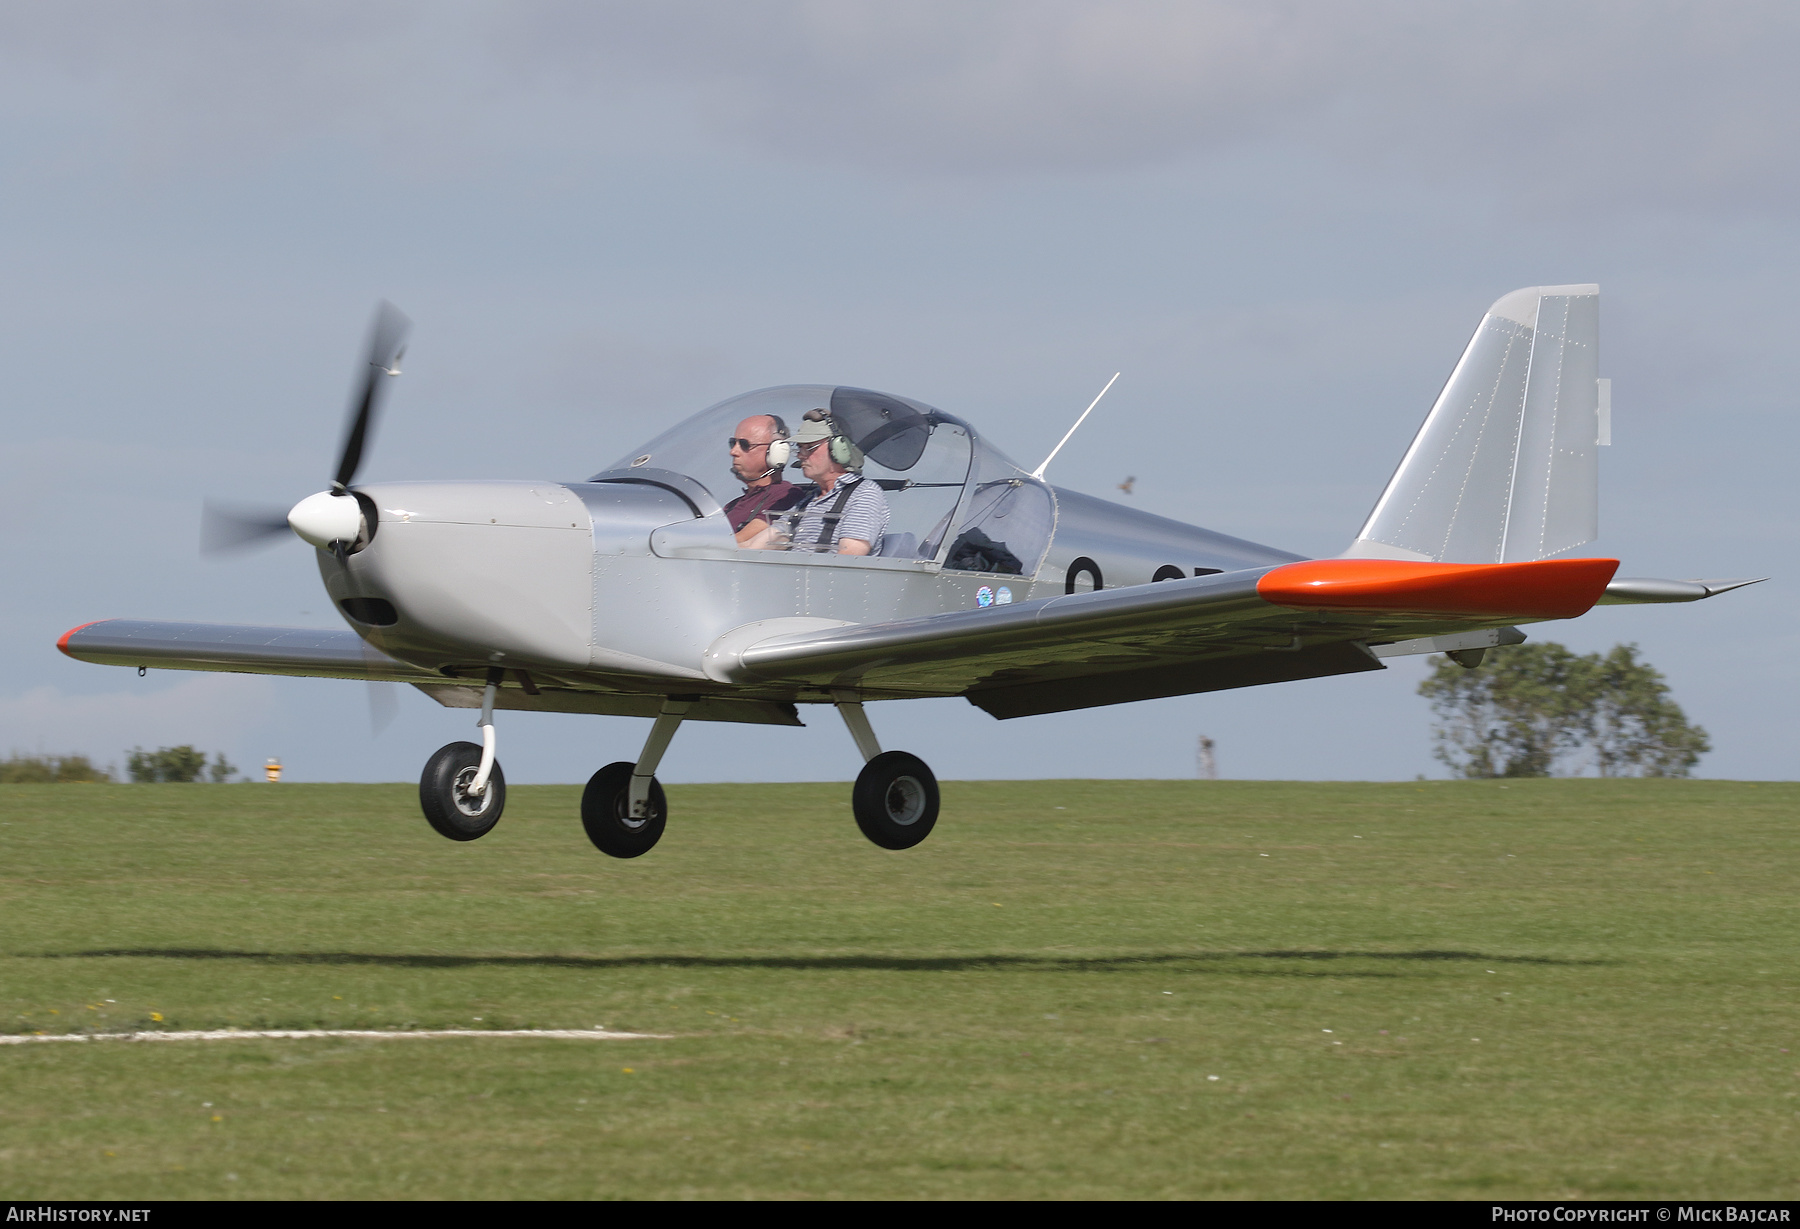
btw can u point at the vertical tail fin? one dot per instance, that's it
(1504, 469)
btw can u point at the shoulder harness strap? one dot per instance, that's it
(829, 521)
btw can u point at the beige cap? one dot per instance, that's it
(816, 425)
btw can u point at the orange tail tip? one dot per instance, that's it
(63, 642)
(1546, 589)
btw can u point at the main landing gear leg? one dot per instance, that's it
(896, 797)
(623, 809)
(462, 790)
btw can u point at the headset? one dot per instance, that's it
(845, 453)
(841, 449)
(781, 451)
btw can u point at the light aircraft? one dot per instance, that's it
(628, 593)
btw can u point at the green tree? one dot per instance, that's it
(181, 763)
(1636, 729)
(1513, 718)
(49, 769)
(221, 769)
(1535, 707)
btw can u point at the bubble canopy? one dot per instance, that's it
(893, 431)
(934, 470)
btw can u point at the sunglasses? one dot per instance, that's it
(745, 445)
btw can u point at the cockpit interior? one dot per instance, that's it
(955, 502)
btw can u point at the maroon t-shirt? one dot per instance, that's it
(757, 501)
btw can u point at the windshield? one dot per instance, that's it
(697, 446)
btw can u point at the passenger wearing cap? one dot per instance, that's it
(759, 452)
(848, 514)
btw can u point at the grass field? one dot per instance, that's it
(1073, 989)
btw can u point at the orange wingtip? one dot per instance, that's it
(63, 642)
(1546, 589)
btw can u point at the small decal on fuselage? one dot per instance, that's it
(984, 596)
(1003, 597)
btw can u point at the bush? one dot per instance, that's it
(50, 769)
(183, 764)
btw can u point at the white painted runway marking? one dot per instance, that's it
(283, 1034)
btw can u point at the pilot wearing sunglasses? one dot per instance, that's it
(759, 452)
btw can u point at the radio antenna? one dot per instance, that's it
(1039, 471)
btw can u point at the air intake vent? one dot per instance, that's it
(375, 611)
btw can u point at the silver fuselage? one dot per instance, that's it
(628, 586)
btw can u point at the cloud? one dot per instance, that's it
(1679, 103)
(950, 86)
(1672, 106)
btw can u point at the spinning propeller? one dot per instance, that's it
(331, 519)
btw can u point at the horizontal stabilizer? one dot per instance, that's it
(1505, 468)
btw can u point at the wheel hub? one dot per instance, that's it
(627, 820)
(905, 801)
(471, 804)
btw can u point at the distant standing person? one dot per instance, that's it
(759, 452)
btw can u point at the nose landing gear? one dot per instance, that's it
(462, 790)
(450, 804)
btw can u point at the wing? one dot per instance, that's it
(238, 649)
(1237, 629)
(234, 648)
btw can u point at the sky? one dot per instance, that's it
(1280, 221)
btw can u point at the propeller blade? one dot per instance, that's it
(232, 527)
(384, 706)
(387, 343)
(384, 697)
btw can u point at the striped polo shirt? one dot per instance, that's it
(864, 516)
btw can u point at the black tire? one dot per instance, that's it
(444, 796)
(606, 814)
(895, 800)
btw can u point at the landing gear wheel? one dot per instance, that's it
(606, 813)
(445, 798)
(895, 800)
